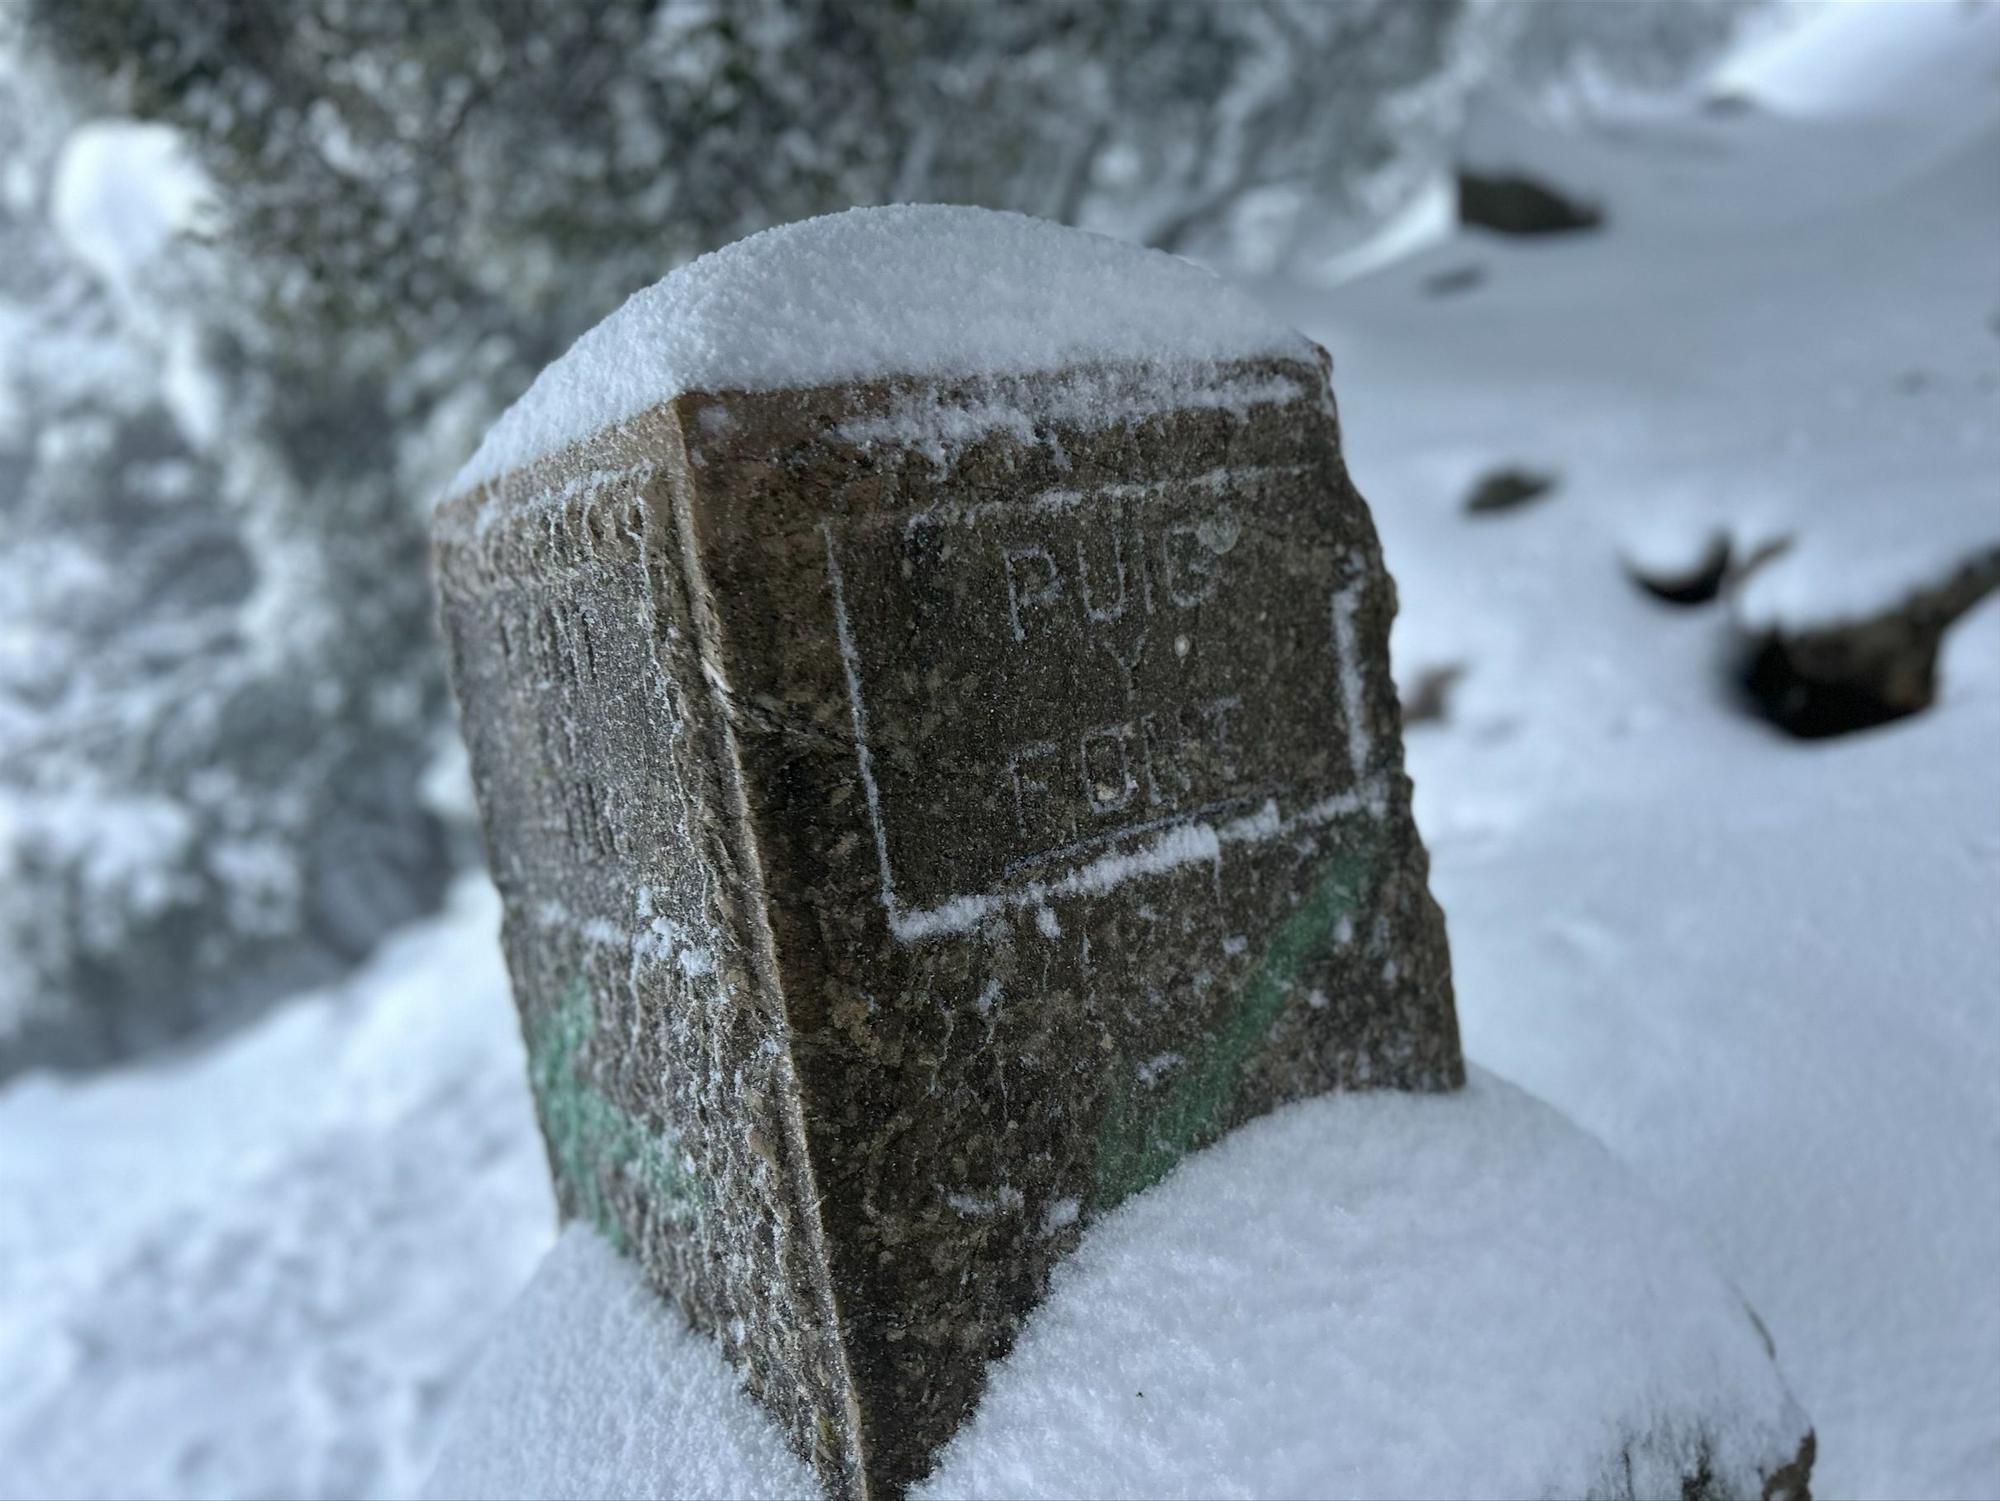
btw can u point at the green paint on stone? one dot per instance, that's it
(591, 1137)
(1140, 1141)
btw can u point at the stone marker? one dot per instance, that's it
(930, 803)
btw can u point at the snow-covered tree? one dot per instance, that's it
(214, 697)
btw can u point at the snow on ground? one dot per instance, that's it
(914, 289)
(1361, 1295)
(1766, 973)
(592, 1386)
(1786, 331)
(261, 1270)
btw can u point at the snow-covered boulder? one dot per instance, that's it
(1375, 1294)
(1818, 677)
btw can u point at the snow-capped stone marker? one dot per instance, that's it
(926, 674)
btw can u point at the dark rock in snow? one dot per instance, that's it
(1429, 698)
(1512, 203)
(1729, 104)
(1695, 1456)
(1695, 583)
(1820, 680)
(1793, 1482)
(1508, 490)
(1454, 280)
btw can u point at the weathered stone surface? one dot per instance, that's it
(924, 812)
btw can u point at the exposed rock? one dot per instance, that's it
(1429, 698)
(1508, 490)
(1512, 203)
(1819, 680)
(1729, 104)
(1455, 279)
(1793, 1482)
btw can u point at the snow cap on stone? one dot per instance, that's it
(910, 290)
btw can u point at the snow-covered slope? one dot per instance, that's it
(1786, 329)
(261, 1271)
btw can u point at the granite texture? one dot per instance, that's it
(924, 812)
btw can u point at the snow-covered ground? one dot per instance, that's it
(262, 1270)
(1360, 1295)
(1765, 972)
